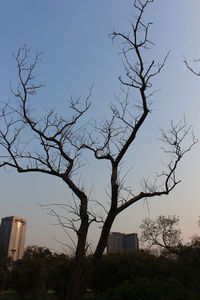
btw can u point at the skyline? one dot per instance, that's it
(87, 56)
(13, 235)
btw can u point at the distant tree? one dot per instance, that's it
(3, 276)
(40, 270)
(30, 275)
(37, 251)
(163, 232)
(117, 268)
(188, 265)
(190, 67)
(194, 241)
(59, 276)
(54, 144)
(112, 270)
(148, 289)
(4, 261)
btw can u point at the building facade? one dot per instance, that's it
(12, 236)
(120, 242)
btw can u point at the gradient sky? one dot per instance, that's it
(77, 53)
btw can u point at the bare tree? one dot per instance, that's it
(163, 232)
(189, 66)
(54, 145)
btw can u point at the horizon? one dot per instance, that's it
(78, 53)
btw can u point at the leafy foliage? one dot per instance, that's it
(147, 289)
(140, 275)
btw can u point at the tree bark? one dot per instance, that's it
(82, 280)
(74, 291)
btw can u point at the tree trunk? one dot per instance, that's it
(74, 291)
(81, 279)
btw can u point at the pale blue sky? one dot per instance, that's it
(73, 34)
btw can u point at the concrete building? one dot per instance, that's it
(121, 242)
(12, 236)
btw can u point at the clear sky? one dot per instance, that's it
(77, 53)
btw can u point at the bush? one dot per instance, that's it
(59, 278)
(2, 279)
(148, 289)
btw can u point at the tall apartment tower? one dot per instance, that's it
(120, 242)
(12, 236)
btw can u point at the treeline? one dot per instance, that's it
(144, 275)
(168, 270)
(140, 275)
(36, 273)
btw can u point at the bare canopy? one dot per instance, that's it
(54, 144)
(163, 232)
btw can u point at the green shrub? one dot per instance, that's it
(146, 289)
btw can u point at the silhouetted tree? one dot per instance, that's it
(30, 275)
(163, 232)
(117, 268)
(187, 267)
(140, 275)
(4, 261)
(38, 252)
(54, 144)
(190, 67)
(2, 279)
(60, 275)
(148, 289)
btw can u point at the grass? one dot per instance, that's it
(8, 295)
(11, 295)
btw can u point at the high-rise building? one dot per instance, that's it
(131, 242)
(12, 236)
(121, 242)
